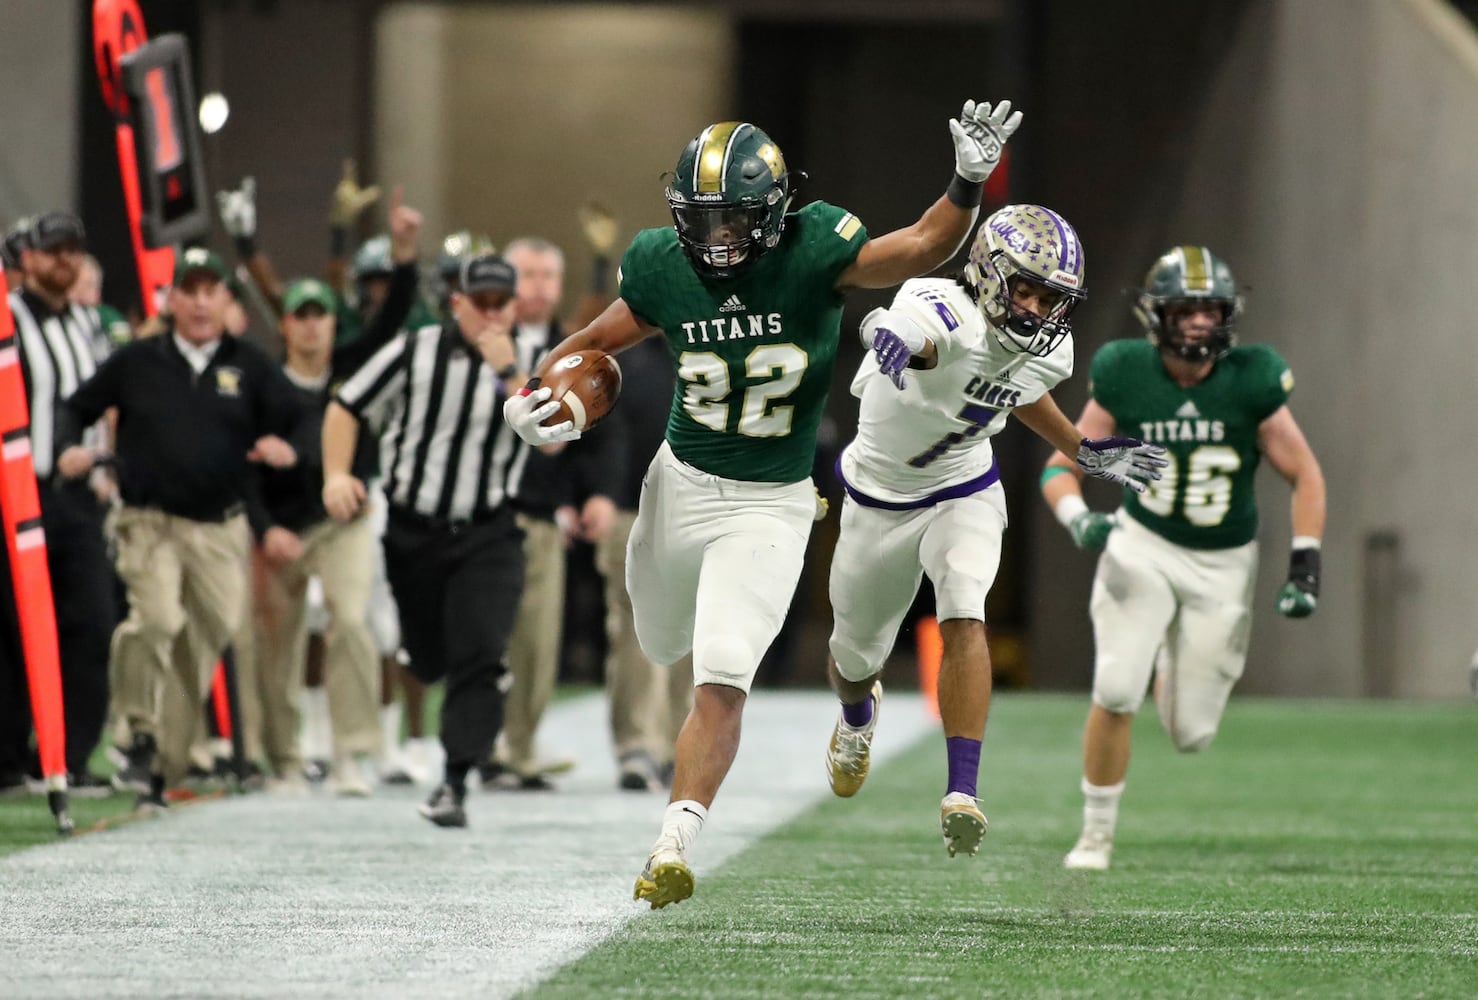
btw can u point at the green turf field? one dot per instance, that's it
(1318, 849)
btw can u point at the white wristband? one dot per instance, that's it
(1068, 508)
(1306, 542)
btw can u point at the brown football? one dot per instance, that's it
(585, 384)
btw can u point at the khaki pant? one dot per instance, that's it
(649, 702)
(186, 583)
(341, 556)
(533, 649)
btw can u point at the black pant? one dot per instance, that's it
(86, 613)
(457, 586)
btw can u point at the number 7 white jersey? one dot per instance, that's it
(934, 434)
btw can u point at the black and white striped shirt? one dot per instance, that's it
(445, 451)
(59, 351)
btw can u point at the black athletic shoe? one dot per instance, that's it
(86, 785)
(152, 801)
(639, 772)
(133, 776)
(444, 808)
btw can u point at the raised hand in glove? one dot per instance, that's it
(238, 209)
(1090, 530)
(1300, 595)
(599, 227)
(895, 339)
(980, 133)
(1124, 460)
(349, 198)
(525, 410)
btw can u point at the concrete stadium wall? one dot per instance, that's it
(38, 118)
(506, 119)
(1332, 158)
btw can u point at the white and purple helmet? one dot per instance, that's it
(1034, 244)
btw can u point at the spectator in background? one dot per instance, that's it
(538, 485)
(195, 408)
(60, 347)
(648, 701)
(87, 292)
(300, 540)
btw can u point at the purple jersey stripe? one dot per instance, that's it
(970, 487)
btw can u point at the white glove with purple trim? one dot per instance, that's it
(1124, 460)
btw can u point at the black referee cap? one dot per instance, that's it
(487, 272)
(56, 229)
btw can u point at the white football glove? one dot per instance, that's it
(524, 411)
(1124, 460)
(239, 209)
(980, 133)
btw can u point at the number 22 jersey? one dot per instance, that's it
(916, 442)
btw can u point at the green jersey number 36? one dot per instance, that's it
(1206, 493)
(709, 387)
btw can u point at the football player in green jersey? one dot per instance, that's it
(748, 295)
(1173, 594)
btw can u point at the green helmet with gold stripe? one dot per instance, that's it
(728, 196)
(1189, 275)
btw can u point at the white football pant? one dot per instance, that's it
(880, 560)
(712, 565)
(1184, 612)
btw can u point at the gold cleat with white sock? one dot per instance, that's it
(849, 754)
(962, 823)
(666, 878)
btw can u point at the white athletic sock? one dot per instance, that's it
(317, 736)
(1101, 806)
(390, 716)
(681, 823)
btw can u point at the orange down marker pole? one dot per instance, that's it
(930, 647)
(25, 541)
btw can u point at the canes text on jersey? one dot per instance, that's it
(1000, 397)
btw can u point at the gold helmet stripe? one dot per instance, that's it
(1197, 263)
(714, 147)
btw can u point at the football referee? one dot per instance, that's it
(61, 346)
(453, 549)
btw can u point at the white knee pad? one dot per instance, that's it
(726, 660)
(1188, 739)
(1118, 690)
(853, 662)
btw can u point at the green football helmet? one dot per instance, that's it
(728, 195)
(1189, 274)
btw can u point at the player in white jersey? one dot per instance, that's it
(954, 358)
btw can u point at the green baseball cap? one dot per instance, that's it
(305, 291)
(200, 259)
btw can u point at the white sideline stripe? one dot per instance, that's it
(265, 897)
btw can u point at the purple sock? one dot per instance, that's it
(858, 715)
(964, 764)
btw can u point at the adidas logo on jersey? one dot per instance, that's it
(732, 304)
(1188, 411)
